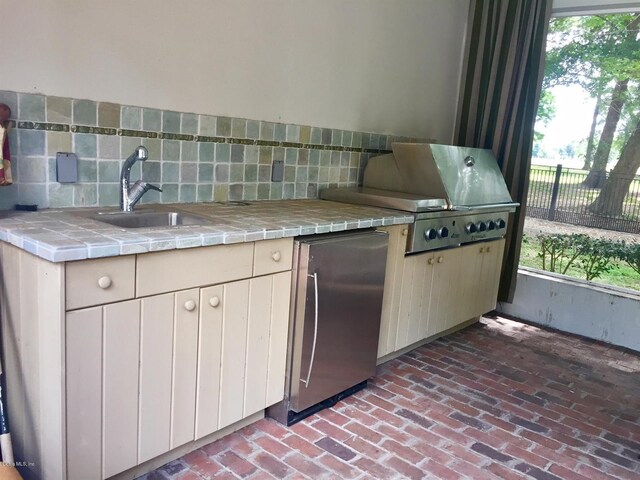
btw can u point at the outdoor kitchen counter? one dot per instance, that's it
(64, 234)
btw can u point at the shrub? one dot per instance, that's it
(630, 254)
(558, 252)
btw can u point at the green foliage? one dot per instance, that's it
(630, 254)
(593, 256)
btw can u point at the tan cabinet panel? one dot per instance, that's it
(121, 330)
(156, 348)
(280, 298)
(272, 256)
(414, 299)
(209, 359)
(94, 282)
(169, 271)
(84, 394)
(185, 358)
(234, 344)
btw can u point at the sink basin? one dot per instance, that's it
(148, 219)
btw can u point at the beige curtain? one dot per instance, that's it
(499, 99)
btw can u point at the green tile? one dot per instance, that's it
(345, 157)
(170, 122)
(302, 174)
(236, 173)
(207, 126)
(189, 152)
(251, 154)
(312, 191)
(280, 132)
(326, 136)
(291, 156)
(300, 190)
(85, 112)
(293, 133)
(253, 129)
(223, 153)
(205, 172)
(266, 155)
(303, 156)
(31, 142)
(316, 136)
(85, 195)
(264, 173)
(108, 171)
(314, 157)
(108, 194)
(58, 142)
(171, 150)
(221, 193)
(325, 158)
(276, 191)
(205, 193)
(108, 146)
(335, 159)
(266, 130)
(170, 172)
(336, 137)
(188, 172)
(223, 127)
(33, 193)
(250, 191)
(238, 128)
(278, 153)
(154, 146)
(151, 120)
(85, 145)
(250, 173)
(170, 193)
(237, 153)
(222, 173)
(151, 171)
(356, 140)
(347, 138)
(189, 123)
(60, 195)
(131, 118)
(264, 191)
(108, 115)
(32, 169)
(288, 191)
(206, 152)
(87, 171)
(32, 107)
(313, 174)
(236, 192)
(187, 193)
(289, 173)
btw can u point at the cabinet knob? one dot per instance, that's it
(189, 305)
(214, 302)
(488, 249)
(440, 259)
(276, 256)
(481, 249)
(430, 261)
(104, 282)
(405, 232)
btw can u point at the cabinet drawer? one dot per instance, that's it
(195, 267)
(272, 256)
(104, 280)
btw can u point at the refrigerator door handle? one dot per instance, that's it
(315, 330)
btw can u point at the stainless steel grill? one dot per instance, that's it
(457, 194)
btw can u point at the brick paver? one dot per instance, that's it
(500, 399)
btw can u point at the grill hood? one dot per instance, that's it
(466, 178)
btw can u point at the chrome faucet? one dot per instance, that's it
(129, 196)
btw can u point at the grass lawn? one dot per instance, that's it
(621, 275)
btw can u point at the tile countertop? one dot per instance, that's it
(63, 234)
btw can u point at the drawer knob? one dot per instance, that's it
(214, 302)
(189, 305)
(488, 249)
(276, 256)
(405, 232)
(104, 282)
(481, 249)
(430, 261)
(440, 259)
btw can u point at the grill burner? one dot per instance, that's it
(456, 194)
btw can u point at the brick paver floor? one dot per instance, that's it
(500, 399)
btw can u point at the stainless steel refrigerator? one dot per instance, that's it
(335, 320)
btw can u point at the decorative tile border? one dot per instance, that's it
(56, 127)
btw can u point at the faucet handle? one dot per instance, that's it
(149, 186)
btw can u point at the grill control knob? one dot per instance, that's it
(471, 228)
(500, 223)
(430, 234)
(482, 227)
(443, 232)
(491, 225)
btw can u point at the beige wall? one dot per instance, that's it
(386, 66)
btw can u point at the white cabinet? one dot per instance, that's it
(429, 293)
(129, 371)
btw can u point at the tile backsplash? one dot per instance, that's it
(193, 158)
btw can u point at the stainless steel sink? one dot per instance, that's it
(148, 219)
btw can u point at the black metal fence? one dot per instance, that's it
(559, 194)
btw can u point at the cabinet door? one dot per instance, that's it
(185, 358)
(415, 296)
(446, 301)
(156, 349)
(490, 275)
